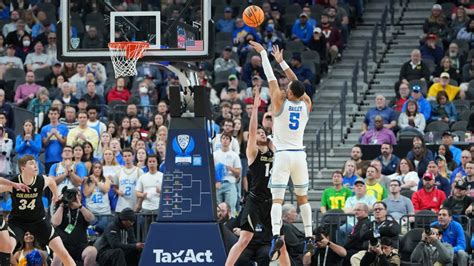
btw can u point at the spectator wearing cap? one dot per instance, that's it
(467, 32)
(430, 50)
(333, 38)
(257, 82)
(443, 85)
(388, 115)
(378, 134)
(428, 197)
(9, 60)
(43, 36)
(459, 203)
(254, 67)
(424, 105)
(413, 70)
(226, 24)
(441, 182)
(397, 204)
(226, 62)
(447, 138)
(302, 29)
(118, 245)
(360, 196)
(271, 37)
(396, 103)
(303, 73)
(442, 109)
(318, 43)
(453, 234)
(381, 255)
(278, 20)
(38, 59)
(436, 23)
(241, 31)
(311, 20)
(267, 123)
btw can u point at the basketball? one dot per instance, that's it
(253, 16)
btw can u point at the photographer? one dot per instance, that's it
(381, 227)
(71, 220)
(430, 250)
(327, 252)
(381, 253)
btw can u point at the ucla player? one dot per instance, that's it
(290, 114)
(127, 182)
(28, 214)
(256, 212)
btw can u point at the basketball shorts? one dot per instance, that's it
(288, 164)
(43, 231)
(256, 214)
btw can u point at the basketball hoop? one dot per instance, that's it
(125, 55)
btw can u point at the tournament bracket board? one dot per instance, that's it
(186, 231)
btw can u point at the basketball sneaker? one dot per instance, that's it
(277, 244)
(308, 246)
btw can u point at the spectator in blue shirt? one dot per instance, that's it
(302, 30)
(429, 50)
(466, 158)
(447, 139)
(311, 20)
(453, 234)
(388, 114)
(303, 74)
(226, 24)
(252, 68)
(241, 31)
(53, 137)
(29, 143)
(424, 106)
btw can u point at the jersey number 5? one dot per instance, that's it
(294, 121)
(24, 204)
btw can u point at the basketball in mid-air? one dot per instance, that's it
(253, 16)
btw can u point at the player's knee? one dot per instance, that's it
(301, 192)
(89, 252)
(278, 194)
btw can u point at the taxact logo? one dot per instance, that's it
(182, 256)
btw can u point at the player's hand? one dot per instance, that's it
(21, 187)
(256, 99)
(55, 199)
(257, 46)
(140, 245)
(277, 53)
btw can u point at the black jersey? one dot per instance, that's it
(28, 207)
(259, 175)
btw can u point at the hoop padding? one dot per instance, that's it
(125, 55)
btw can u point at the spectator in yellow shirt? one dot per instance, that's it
(443, 85)
(82, 132)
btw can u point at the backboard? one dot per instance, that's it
(175, 32)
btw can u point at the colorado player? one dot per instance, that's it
(290, 117)
(256, 212)
(28, 214)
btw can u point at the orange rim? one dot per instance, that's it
(132, 49)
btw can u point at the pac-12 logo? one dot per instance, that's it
(183, 145)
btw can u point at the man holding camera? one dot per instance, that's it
(118, 245)
(381, 227)
(355, 241)
(430, 250)
(71, 220)
(453, 234)
(381, 253)
(327, 252)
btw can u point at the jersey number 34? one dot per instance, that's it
(24, 204)
(294, 121)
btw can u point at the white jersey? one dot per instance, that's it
(98, 202)
(127, 183)
(289, 125)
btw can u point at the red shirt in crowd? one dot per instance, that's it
(423, 200)
(115, 95)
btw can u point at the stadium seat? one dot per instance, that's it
(461, 105)
(447, 9)
(436, 137)
(424, 218)
(221, 77)
(460, 125)
(407, 193)
(224, 36)
(406, 137)
(14, 74)
(463, 46)
(295, 46)
(461, 134)
(41, 73)
(311, 56)
(408, 243)
(333, 222)
(464, 116)
(437, 126)
(294, 9)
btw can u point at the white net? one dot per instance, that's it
(125, 55)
